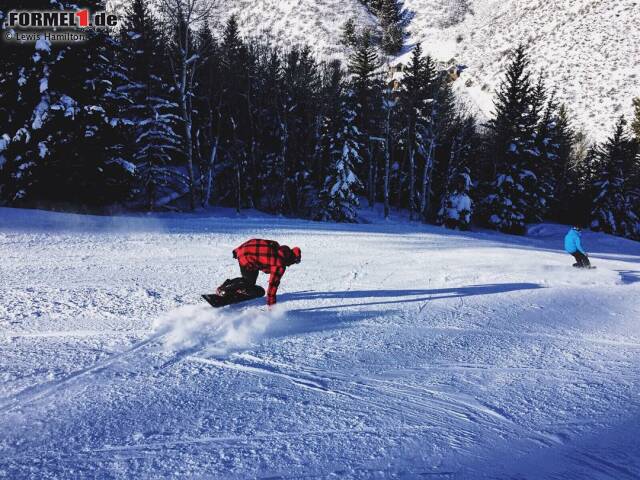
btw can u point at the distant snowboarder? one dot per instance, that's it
(253, 256)
(573, 246)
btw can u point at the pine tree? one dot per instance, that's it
(301, 80)
(367, 86)
(63, 140)
(417, 84)
(510, 150)
(231, 170)
(537, 176)
(271, 114)
(555, 138)
(151, 113)
(393, 23)
(339, 199)
(207, 110)
(614, 206)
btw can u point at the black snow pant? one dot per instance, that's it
(250, 276)
(582, 261)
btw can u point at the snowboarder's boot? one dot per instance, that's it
(232, 287)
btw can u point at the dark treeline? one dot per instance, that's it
(165, 113)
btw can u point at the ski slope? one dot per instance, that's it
(397, 351)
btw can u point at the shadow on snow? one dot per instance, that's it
(401, 296)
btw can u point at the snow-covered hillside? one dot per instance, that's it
(397, 351)
(590, 49)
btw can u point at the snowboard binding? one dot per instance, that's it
(233, 291)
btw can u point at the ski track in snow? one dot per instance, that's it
(397, 351)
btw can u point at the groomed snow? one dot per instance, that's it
(397, 351)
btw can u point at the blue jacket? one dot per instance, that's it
(572, 242)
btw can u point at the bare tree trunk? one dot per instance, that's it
(285, 140)
(189, 150)
(426, 180)
(238, 180)
(450, 168)
(412, 167)
(387, 163)
(372, 175)
(213, 155)
(206, 197)
(252, 147)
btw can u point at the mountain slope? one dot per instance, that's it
(295, 22)
(589, 49)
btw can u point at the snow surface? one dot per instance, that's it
(295, 22)
(397, 351)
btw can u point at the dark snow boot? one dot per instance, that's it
(235, 286)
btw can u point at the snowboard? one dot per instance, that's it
(590, 267)
(217, 301)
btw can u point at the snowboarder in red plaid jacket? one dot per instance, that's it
(268, 256)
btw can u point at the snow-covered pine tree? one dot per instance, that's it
(536, 177)
(151, 111)
(26, 108)
(614, 205)
(332, 96)
(13, 112)
(367, 86)
(65, 140)
(339, 200)
(457, 206)
(463, 144)
(510, 137)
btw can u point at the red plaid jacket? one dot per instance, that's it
(267, 256)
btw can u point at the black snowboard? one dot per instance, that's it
(217, 301)
(590, 267)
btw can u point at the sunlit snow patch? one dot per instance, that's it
(213, 332)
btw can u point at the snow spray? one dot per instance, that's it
(213, 332)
